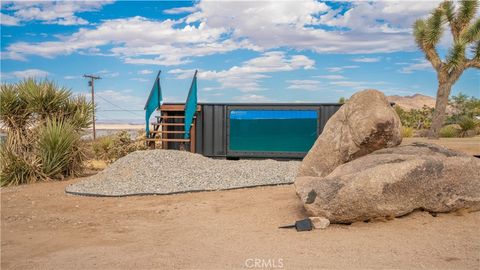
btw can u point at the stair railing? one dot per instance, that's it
(191, 106)
(153, 102)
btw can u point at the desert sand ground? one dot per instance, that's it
(119, 126)
(469, 146)
(44, 228)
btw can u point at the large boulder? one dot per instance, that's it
(365, 123)
(393, 182)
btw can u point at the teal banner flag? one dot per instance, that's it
(191, 106)
(153, 102)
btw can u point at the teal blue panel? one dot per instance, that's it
(153, 102)
(190, 106)
(272, 130)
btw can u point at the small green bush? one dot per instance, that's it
(467, 125)
(111, 148)
(415, 118)
(102, 147)
(450, 131)
(407, 132)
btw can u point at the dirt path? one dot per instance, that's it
(469, 146)
(43, 228)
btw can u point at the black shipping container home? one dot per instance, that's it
(236, 130)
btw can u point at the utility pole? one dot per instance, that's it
(91, 84)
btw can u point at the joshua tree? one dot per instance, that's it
(465, 30)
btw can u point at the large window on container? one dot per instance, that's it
(272, 130)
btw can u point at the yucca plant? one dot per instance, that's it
(44, 123)
(465, 30)
(58, 148)
(18, 169)
(78, 110)
(45, 99)
(14, 115)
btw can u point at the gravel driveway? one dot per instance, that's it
(172, 171)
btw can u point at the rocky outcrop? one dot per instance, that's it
(393, 182)
(365, 123)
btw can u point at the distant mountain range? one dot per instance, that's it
(416, 101)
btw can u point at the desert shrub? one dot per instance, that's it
(102, 147)
(476, 130)
(415, 118)
(16, 169)
(43, 124)
(59, 149)
(463, 106)
(464, 112)
(449, 131)
(467, 125)
(407, 132)
(111, 148)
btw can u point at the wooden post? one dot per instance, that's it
(192, 136)
(91, 83)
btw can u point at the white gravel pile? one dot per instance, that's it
(171, 171)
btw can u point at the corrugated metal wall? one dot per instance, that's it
(326, 111)
(211, 124)
(211, 130)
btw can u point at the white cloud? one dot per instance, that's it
(340, 69)
(247, 76)
(180, 10)
(138, 41)
(108, 74)
(145, 72)
(71, 77)
(357, 85)
(294, 24)
(49, 12)
(139, 79)
(348, 84)
(304, 84)
(214, 27)
(421, 64)
(387, 17)
(27, 73)
(331, 77)
(119, 100)
(366, 59)
(12, 55)
(252, 98)
(8, 20)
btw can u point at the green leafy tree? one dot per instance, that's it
(465, 30)
(464, 105)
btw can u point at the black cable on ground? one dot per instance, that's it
(167, 193)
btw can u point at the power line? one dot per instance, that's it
(121, 108)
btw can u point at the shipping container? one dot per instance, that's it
(246, 130)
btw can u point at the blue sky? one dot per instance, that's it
(280, 51)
